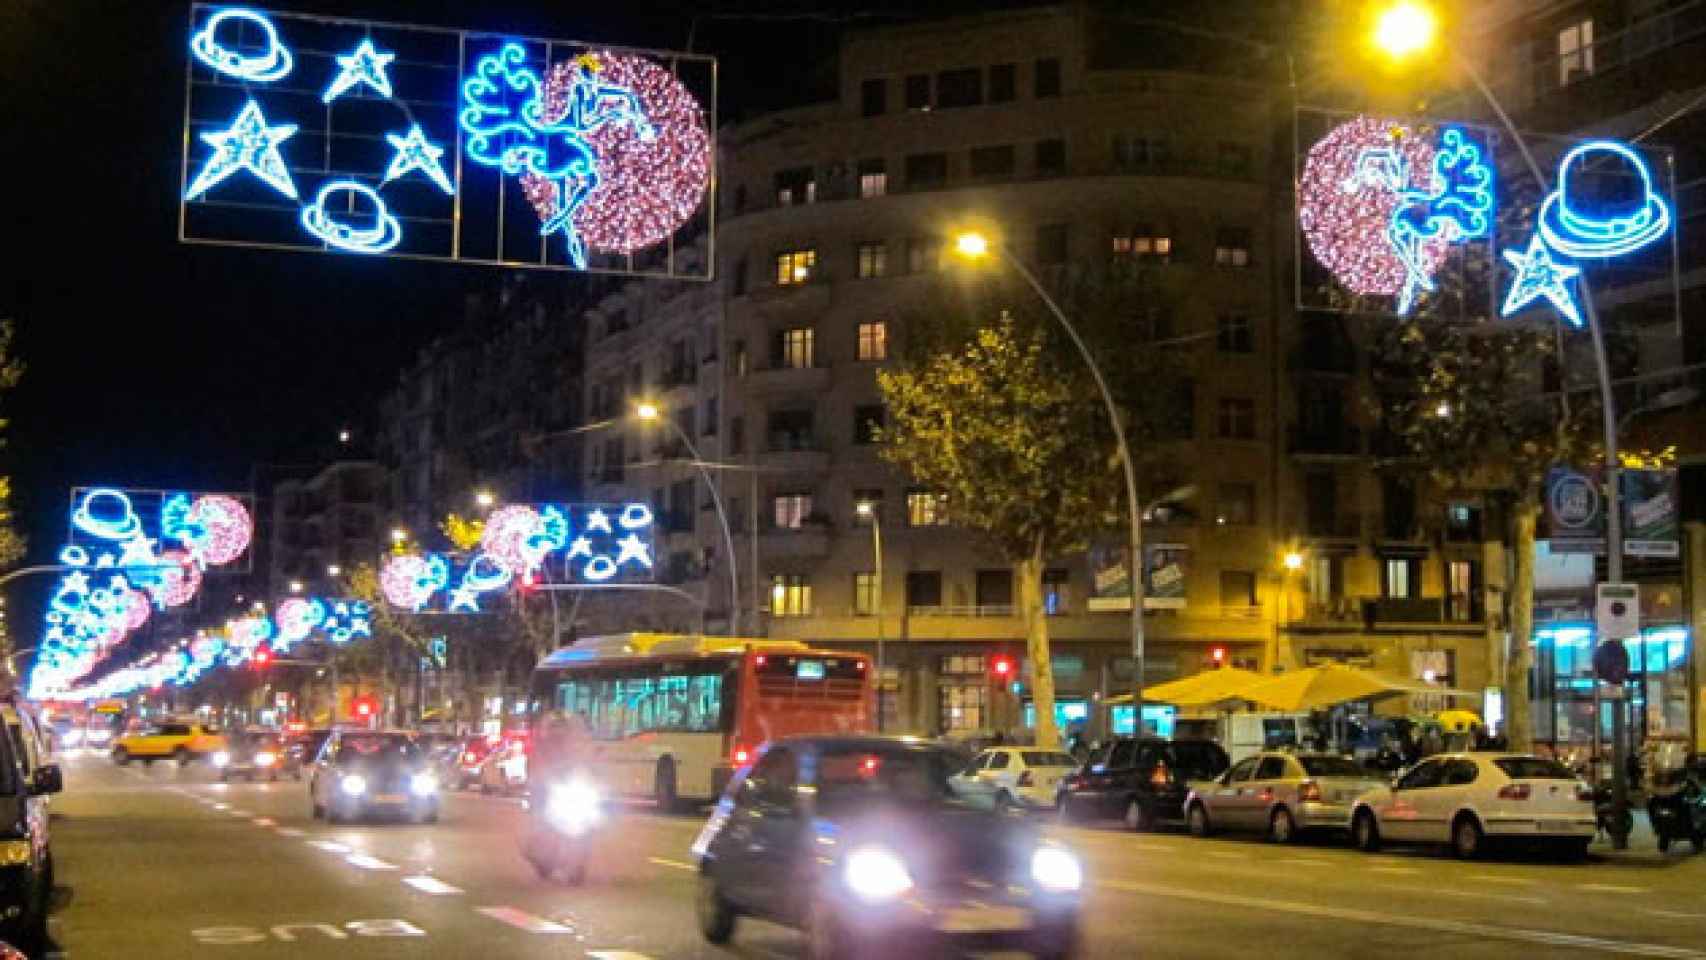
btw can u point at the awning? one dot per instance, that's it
(1331, 684)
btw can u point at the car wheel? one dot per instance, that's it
(1004, 802)
(1196, 819)
(182, 755)
(1365, 832)
(1281, 827)
(1138, 818)
(1466, 838)
(121, 756)
(716, 917)
(663, 787)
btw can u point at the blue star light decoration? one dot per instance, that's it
(363, 65)
(1538, 275)
(1456, 205)
(251, 144)
(416, 152)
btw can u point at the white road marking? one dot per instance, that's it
(673, 864)
(522, 920)
(1483, 895)
(366, 862)
(265, 822)
(616, 955)
(1672, 914)
(1609, 888)
(432, 885)
(1304, 861)
(221, 806)
(291, 832)
(1395, 870)
(1440, 925)
(239, 813)
(330, 846)
(1515, 881)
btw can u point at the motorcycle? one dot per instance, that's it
(566, 815)
(1679, 814)
(1605, 814)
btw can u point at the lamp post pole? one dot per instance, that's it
(722, 519)
(868, 510)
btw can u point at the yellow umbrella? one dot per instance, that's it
(1325, 686)
(1458, 721)
(1209, 686)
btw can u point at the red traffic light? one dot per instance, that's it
(1002, 666)
(1219, 655)
(261, 657)
(364, 707)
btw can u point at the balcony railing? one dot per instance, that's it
(962, 610)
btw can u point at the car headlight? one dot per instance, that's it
(222, 759)
(353, 785)
(573, 806)
(423, 784)
(1056, 870)
(265, 759)
(876, 874)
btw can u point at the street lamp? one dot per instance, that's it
(1405, 29)
(973, 246)
(484, 499)
(333, 570)
(867, 510)
(1293, 561)
(649, 413)
(399, 535)
(296, 586)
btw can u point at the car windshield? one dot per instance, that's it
(377, 748)
(1042, 758)
(1198, 760)
(1533, 768)
(1332, 767)
(861, 774)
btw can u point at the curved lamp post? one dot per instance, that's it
(649, 412)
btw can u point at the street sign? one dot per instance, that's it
(1611, 662)
(1618, 612)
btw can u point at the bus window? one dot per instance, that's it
(626, 704)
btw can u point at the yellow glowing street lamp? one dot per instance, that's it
(399, 535)
(647, 412)
(484, 499)
(971, 245)
(1405, 29)
(1293, 561)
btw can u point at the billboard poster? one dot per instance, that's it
(1650, 524)
(1575, 510)
(1164, 569)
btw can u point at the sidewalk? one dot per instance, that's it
(1643, 845)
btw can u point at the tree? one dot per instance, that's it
(1467, 400)
(1022, 454)
(11, 371)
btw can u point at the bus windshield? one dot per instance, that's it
(622, 701)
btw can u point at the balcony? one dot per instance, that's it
(1337, 442)
(963, 610)
(1402, 610)
(798, 452)
(1343, 527)
(814, 379)
(809, 541)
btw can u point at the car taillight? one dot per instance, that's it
(741, 756)
(1309, 791)
(1514, 791)
(1160, 776)
(1074, 781)
(1584, 793)
(1025, 779)
(469, 757)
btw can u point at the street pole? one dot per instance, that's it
(868, 510)
(722, 519)
(1134, 508)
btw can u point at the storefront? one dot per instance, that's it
(1563, 686)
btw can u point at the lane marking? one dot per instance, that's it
(1225, 855)
(1370, 917)
(617, 955)
(432, 885)
(1492, 878)
(1303, 861)
(239, 813)
(366, 862)
(1672, 914)
(522, 920)
(291, 832)
(330, 846)
(221, 806)
(1394, 870)
(673, 864)
(1609, 888)
(264, 822)
(1483, 895)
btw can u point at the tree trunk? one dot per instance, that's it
(1519, 716)
(1037, 645)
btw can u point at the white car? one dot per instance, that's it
(1465, 799)
(1015, 776)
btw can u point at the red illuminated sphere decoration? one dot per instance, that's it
(1344, 218)
(136, 609)
(647, 188)
(228, 528)
(179, 581)
(505, 535)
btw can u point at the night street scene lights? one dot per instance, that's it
(1405, 29)
(484, 499)
(648, 412)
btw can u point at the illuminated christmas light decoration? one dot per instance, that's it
(272, 64)
(216, 529)
(599, 569)
(363, 65)
(581, 547)
(1635, 220)
(512, 124)
(296, 619)
(251, 144)
(484, 574)
(1538, 275)
(107, 514)
(598, 521)
(178, 582)
(635, 516)
(415, 152)
(409, 580)
(346, 620)
(385, 233)
(632, 549)
(73, 556)
(507, 537)
(552, 534)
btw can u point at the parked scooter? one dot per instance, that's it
(1676, 804)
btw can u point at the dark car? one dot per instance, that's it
(1143, 781)
(303, 747)
(26, 857)
(256, 756)
(362, 772)
(861, 843)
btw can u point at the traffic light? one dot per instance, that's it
(365, 708)
(261, 658)
(1001, 667)
(1218, 656)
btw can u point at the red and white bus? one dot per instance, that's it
(672, 717)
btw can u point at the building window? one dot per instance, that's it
(874, 340)
(923, 254)
(796, 348)
(1234, 159)
(1233, 333)
(710, 420)
(795, 186)
(924, 509)
(1398, 578)
(791, 430)
(1048, 77)
(994, 589)
(1575, 52)
(924, 588)
(867, 421)
(925, 171)
(873, 260)
(1236, 504)
(1232, 247)
(738, 358)
(791, 509)
(790, 595)
(874, 97)
(1461, 585)
(1237, 418)
(1003, 82)
(959, 88)
(737, 279)
(1326, 580)
(1052, 244)
(1055, 583)
(795, 267)
(872, 496)
(993, 162)
(1237, 588)
(961, 705)
(873, 178)
(1133, 152)
(1144, 242)
(1051, 158)
(737, 435)
(918, 92)
(864, 594)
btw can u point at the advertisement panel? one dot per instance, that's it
(1575, 510)
(1164, 568)
(1650, 523)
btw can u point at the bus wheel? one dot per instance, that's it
(663, 787)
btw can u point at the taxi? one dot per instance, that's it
(168, 740)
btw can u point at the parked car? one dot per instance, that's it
(1141, 781)
(361, 772)
(461, 769)
(504, 769)
(1466, 799)
(27, 736)
(860, 843)
(1281, 794)
(26, 850)
(169, 740)
(1015, 776)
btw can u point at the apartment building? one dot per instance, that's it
(326, 522)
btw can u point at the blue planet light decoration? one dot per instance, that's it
(272, 63)
(318, 220)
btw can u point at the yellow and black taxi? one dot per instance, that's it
(26, 857)
(183, 741)
(862, 843)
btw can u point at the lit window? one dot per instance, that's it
(873, 178)
(791, 510)
(790, 595)
(874, 340)
(1055, 582)
(873, 260)
(864, 594)
(1144, 242)
(1232, 247)
(797, 348)
(796, 186)
(926, 509)
(1399, 579)
(1575, 52)
(795, 266)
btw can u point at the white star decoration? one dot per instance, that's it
(248, 144)
(1538, 275)
(364, 64)
(631, 547)
(415, 152)
(599, 520)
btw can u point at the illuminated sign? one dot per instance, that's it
(321, 134)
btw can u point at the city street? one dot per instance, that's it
(163, 862)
